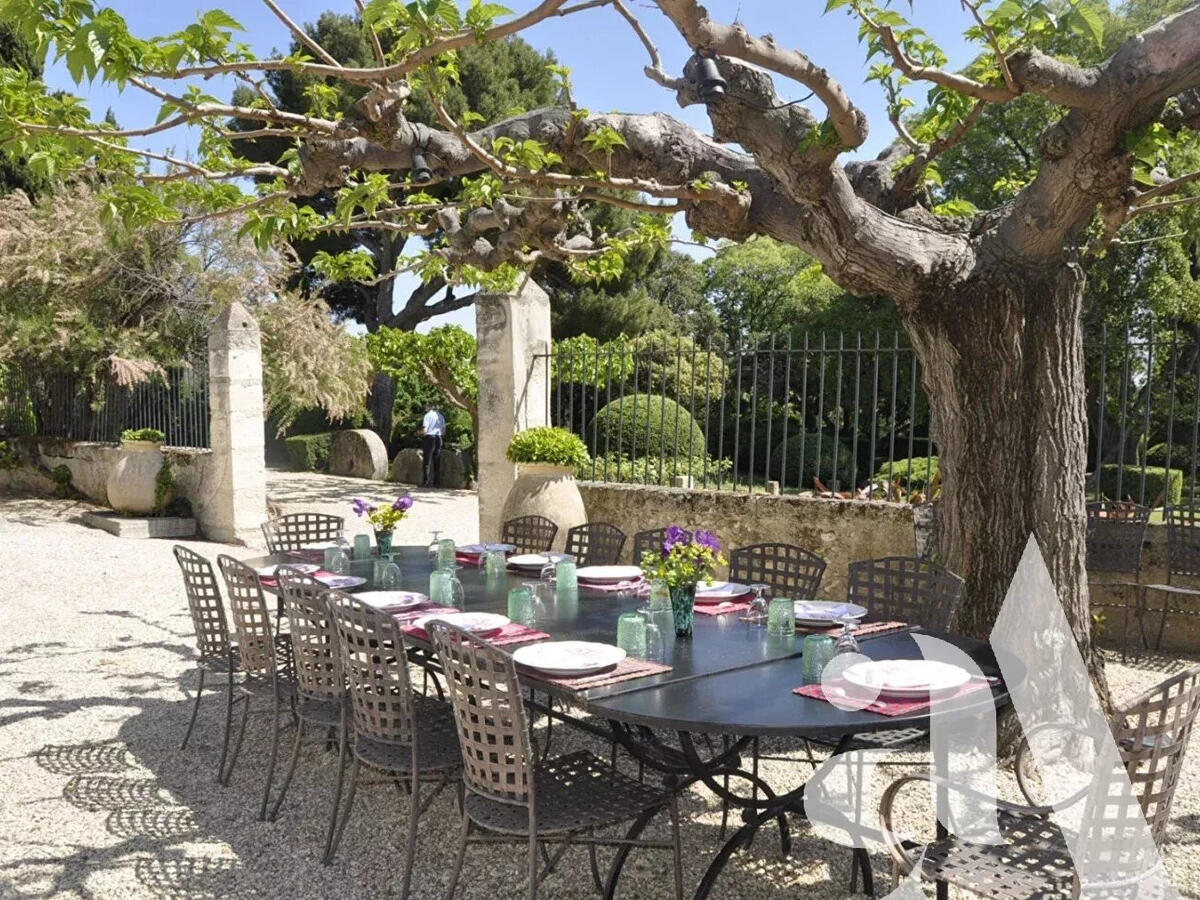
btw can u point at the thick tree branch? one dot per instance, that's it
(733, 41)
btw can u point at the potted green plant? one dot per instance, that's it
(142, 439)
(134, 485)
(686, 559)
(547, 459)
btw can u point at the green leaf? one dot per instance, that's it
(1087, 21)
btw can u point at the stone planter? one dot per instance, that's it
(546, 490)
(131, 483)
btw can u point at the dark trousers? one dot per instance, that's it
(432, 446)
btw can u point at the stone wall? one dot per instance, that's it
(839, 531)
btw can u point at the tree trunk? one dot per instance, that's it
(1002, 363)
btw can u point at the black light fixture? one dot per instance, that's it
(420, 168)
(708, 78)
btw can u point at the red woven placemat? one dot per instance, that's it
(892, 707)
(626, 670)
(868, 629)
(720, 609)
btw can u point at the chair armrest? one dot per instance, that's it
(1024, 749)
(891, 840)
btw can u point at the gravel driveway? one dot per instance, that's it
(96, 680)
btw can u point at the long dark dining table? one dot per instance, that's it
(729, 679)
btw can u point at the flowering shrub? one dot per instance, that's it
(383, 518)
(686, 558)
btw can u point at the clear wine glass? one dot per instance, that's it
(846, 642)
(433, 545)
(757, 613)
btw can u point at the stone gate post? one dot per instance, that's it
(512, 330)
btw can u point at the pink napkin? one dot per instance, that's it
(469, 559)
(893, 707)
(615, 588)
(516, 633)
(718, 609)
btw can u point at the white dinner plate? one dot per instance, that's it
(826, 612)
(270, 571)
(481, 624)
(480, 549)
(529, 561)
(568, 659)
(907, 678)
(393, 601)
(720, 592)
(319, 545)
(608, 574)
(341, 582)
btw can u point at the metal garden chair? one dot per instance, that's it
(596, 544)
(1183, 560)
(790, 571)
(1152, 735)
(905, 589)
(295, 531)
(1116, 531)
(513, 795)
(396, 731)
(266, 659)
(217, 653)
(320, 689)
(529, 534)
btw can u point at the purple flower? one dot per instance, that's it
(403, 504)
(708, 540)
(361, 507)
(675, 535)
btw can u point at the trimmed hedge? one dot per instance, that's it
(623, 470)
(1158, 484)
(310, 452)
(789, 473)
(923, 469)
(645, 425)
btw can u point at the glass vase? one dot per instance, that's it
(683, 603)
(383, 540)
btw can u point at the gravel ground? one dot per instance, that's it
(96, 680)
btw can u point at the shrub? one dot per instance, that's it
(1159, 484)
(555, 446)
(645, 425)
(310, 452)
(153, 435)
(8, 456)
(789, 472)
(61, 475)
(623, 470)
(922, 469)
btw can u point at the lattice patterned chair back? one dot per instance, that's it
(1116, 530)
(481, 681)
(529, 534)
(1152, 733)
(204, 603)
(318, 671)
(1183, 542)
(906, 589)
(371, 650)
(251, 622)
(651, 541)
(790, 571)
(596, 544)
(296, 530)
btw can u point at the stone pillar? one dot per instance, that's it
(513, 388)
(237, 503)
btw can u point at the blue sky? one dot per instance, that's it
(605, 56)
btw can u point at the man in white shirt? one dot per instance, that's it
(433, 427)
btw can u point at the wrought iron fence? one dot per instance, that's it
(845, 411)
(69, 405)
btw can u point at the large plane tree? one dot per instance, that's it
(990, 298)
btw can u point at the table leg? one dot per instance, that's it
(941, 768)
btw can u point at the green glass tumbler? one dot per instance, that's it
(781, 617)
(520, 605)
(495, 564)
(631, 634)
(362, 546)
(817, 652)
(565, 578)
(446, 552)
